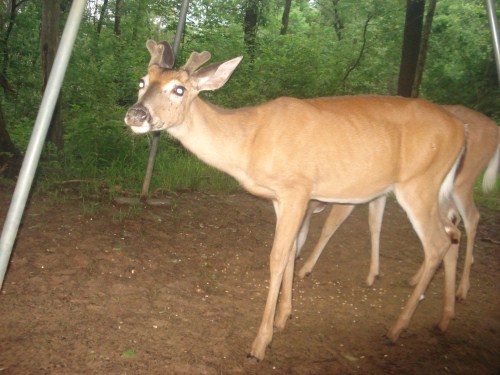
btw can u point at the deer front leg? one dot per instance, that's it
(290, 214)
(284, 311)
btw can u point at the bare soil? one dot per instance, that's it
(98, 288)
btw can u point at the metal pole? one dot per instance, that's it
(180, 26)
(156, 135)
(492, 18)
(37, 139)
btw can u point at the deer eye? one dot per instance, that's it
(179, 90)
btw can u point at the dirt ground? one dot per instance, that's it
(98, 288)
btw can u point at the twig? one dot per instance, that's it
(358, 60)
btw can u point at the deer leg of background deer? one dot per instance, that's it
(414, 279)
(313, 207)
(336, 217)
(375, 216)
(450, 272)
(290, 213)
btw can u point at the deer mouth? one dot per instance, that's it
(142, 129)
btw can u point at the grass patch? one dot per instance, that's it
(129, 353)
(185, 171)
(490, 200)
(122, 168)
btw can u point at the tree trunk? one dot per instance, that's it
(286, 15)
(250, 26)
(8, 151)
(139, 18)
(423, 49)
(338, 24)
(11, 13)
(6, 144)
(118, 17)
(10, 157)
(411, 45)
(102, 16)
(49, 40)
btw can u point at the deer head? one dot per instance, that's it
(165, 94)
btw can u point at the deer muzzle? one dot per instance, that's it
(139, 119)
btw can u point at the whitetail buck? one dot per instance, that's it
(334, 150)
(483, 150)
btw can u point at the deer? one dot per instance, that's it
(483, 152)
(345, 149)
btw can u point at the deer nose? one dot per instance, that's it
(137, 115)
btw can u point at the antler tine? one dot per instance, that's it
(161, 54)
(196, 60)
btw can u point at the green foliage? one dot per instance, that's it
(460, 68)
(311, 60)
(490, 199)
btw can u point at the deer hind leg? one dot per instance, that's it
(470, 215)
(450, 212)
(428, 222)
(375, 216)
(290, 213)
(336, 217)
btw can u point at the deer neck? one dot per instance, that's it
(219, 137)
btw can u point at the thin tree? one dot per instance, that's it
(250, 24)
(118, 17)
(6, 26)
(8, 151)
(102, 16)
(338, 24)
(285, 17)
(139, 18)
(422, 56)
(49, 40)
(361, 51)
(411, 46)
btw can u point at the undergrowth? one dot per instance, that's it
(116, 164)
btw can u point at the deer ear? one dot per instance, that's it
(216, 75)
(161, 54)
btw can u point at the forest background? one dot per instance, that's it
(296, 48)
